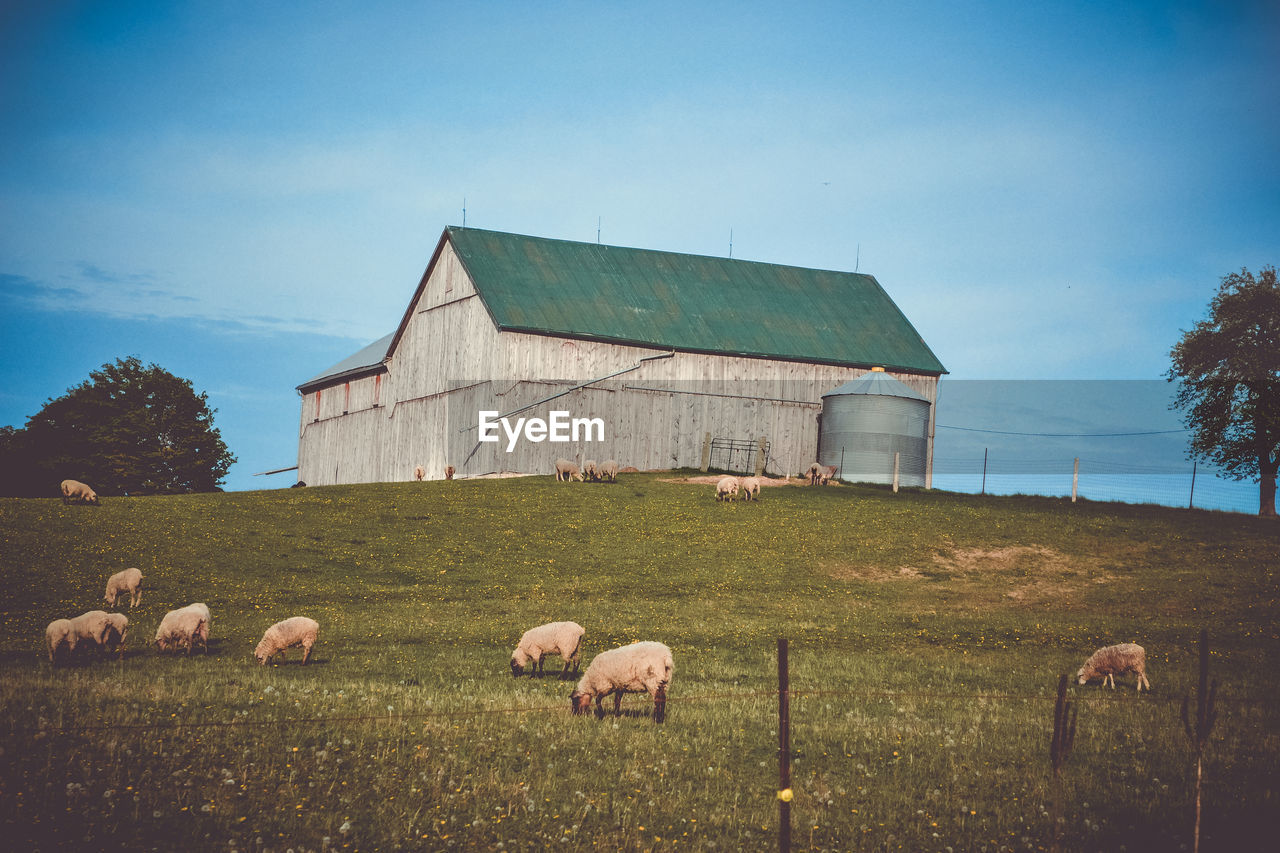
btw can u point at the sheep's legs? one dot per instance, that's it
(306, 654)
(617, 704)
(660, 705)
(599, 710)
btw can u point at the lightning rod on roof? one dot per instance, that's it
(857, 259)
(599, 219)
(731, 242)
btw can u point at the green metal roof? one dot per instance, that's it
(688, 302)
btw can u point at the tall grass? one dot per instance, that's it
(927, 634)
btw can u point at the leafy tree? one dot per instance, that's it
(1228, 367)
(127, 430)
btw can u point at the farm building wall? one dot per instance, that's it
(451, 362)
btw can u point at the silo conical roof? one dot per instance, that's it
(879, 384)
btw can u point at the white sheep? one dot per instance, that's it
(116, 630)
(419, 473)
(609, 470)
(814, 473)
(643, 667)
(182, 627)
(1110, 661)
(130, 581)
(750, 488)
(91, 628)
(567, 471)
(590, 471)
(726, 488)
(77, 491)
(537, 644)
(294, 631)
(60, 635)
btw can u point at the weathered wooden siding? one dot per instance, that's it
(452, 362)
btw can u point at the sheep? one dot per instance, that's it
(182, 627)
(419, 473)
(448, 472)
(77, 491)
(116, 630)
(91, 627)
(814, 473)
(609, 470)
(590, 471)
(59, 635)
(726, 488)
(643, 667)
(750, 488)
(294, 631)
(536, 644)
(567, 471)
(1110, 661)
(130, 581)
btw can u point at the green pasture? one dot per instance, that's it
(927, 632)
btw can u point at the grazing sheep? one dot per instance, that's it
(116, 630)
(74, 490)
(419, 473)
(566, 471)
(814, 473)
(182, 627)
(448, 472)
(1111, 661)
(590, 471)
(294, 631)
(91, 628)
(750, 488)
(609, 470)
(643, 667)
(60, 635)
(536, 644)
(726, 488)
(130, 581)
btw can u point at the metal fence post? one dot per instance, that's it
(784, 749)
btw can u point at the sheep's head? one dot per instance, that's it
(110, 598)
(1084, 675)
(518, 660)
(581, 702)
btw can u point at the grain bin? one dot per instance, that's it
(867, 420)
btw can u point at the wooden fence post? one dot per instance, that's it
(897, 458)
(1075, 480)
(784, 749)
(760, 460)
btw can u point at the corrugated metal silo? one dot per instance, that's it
(867, 420)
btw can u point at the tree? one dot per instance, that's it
(1228, 367)
(127, 430)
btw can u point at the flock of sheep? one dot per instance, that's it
(182, 628)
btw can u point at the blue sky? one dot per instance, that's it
(245, 193)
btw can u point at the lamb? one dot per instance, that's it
(750, 488)
(726, 488)
(609, 470)
(643, 667)
(77, 491)
(590, 471)
(182, 627)
(419, 473)
(295, 631)
(814, 473)
(60, 635)
(536, 644)
(1110, 661)
(567, 471)
(448, 472)
(130, 581)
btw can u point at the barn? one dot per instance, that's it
(517, 350)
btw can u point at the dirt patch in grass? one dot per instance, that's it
(1027, 575)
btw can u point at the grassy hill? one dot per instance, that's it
(927, 634)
